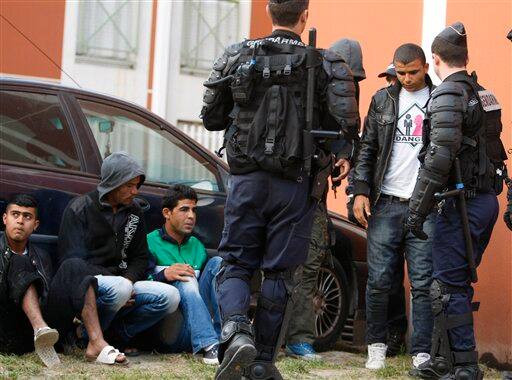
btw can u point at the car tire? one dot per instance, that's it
(331, 304)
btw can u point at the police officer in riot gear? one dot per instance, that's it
(257, 93)
(462, 141)
(507, 216)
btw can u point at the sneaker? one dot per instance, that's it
(376, 356)
(303, 351)
(211, 356)
(420, 358)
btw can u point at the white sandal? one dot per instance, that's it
(44, 339)
(108, 355)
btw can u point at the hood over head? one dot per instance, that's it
(117, 169)
(351, 52)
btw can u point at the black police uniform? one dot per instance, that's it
(257, 91)
(507, 216)
(465, 123)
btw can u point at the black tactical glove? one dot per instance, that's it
(414, 223)
(507, 217)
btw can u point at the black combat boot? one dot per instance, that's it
(470, 371)
(262, 370)
(435, 368)
(236, 350)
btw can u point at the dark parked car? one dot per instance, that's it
(53, 140)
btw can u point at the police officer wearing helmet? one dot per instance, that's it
(465, 127)
(257, 93)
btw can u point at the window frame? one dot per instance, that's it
(68, 118)
(129, 62)
(184, 68)
(193, 148)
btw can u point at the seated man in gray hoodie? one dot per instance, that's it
(106, 229)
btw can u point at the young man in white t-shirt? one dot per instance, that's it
(384, 178)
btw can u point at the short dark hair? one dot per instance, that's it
(286, 12)
(452, 55)
(408, 53)
(23, 200)
(176, 193)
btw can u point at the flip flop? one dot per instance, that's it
(44, 339)
(108, 355)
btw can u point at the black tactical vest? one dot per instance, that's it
(269, 93)
(482, 154)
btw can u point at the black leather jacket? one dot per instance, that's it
(377, 141)
(39, 258)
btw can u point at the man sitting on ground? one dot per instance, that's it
(106, 229)
(178, 259)
(25, 274)
(30, 297)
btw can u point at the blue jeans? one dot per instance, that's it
(202, 325)
(153, 301)
(449, 257)
(386, 242)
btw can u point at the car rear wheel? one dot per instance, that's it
(331, 304)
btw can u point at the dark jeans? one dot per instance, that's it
(449, 260)
(387, 239)
(301, 326)
(397, 318)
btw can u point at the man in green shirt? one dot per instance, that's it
(180, 259)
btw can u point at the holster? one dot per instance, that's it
(323, 167)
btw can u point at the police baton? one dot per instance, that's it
(460, 193)
(310, 93)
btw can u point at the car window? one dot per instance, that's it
(33, 130)
(164, 157)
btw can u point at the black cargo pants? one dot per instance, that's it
(267, 225)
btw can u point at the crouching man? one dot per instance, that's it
(181, 260)
(31, 296)
(25, 274)
(106, 229)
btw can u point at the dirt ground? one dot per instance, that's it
(336, 365)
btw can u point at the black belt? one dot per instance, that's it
(393, 198)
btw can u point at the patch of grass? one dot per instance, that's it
(395, 367)
(337, 365)
(198, 369)
(14, 366)
(290, 367)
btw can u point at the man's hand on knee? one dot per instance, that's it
(179, 272)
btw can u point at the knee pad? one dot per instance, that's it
(228, 270)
